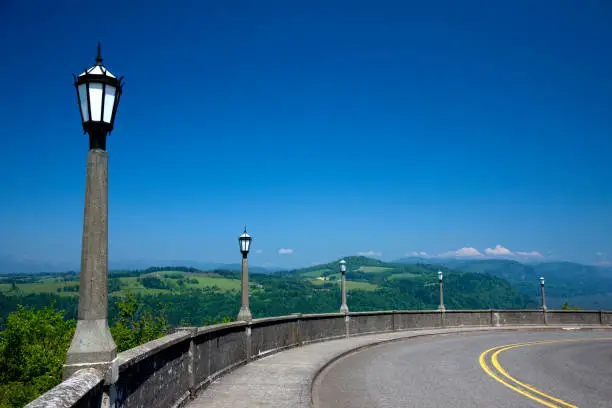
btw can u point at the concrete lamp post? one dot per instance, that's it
(344, 308)
(92, 346)
(543, 293)
(440, 279)
(245, 244)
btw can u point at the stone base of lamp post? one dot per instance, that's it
(344, 309)
(92, 347)
(244, 315)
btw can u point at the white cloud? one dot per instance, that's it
(369, 253)
(465, 251)
(285, 251)
(530, 254)
(259, 251)
(603, 259)
(498, 251)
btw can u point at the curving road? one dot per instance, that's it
(553, 369)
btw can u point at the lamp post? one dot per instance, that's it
(245, 244)
(92, 346)
(440, 279)
(543, 293)
(343, 308)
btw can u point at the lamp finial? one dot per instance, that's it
(99, 56)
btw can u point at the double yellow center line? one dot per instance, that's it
(489, 362)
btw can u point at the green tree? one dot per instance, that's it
(114, 285)
(153, 282)
(32, 352)
(135, 324)
(567, 306)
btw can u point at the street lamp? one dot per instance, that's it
(440, 279)
(343, 308)
(244, 241)
(92, 346)
(543, 293)
(98, 93)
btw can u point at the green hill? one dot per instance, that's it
(586, 286)
(418, 283)
(194, 297)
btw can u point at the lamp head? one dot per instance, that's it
(245, 242)
(98, 93)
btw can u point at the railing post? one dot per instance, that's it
(495, 318)
(545, 311)
(190, 354)
(298, 336)
(347, 325)
(393, 324)
(247, 342)
(601, 318)
(191, 359)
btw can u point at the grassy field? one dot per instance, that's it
(51, 285)
(131, 283)
(373, 269)
(314, 274)
(47, 286)
(222, 283)
(404, 275)
(208, 280)
(350, 285)
(360, 286)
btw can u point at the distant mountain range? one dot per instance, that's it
(25, 265)
(586, 286)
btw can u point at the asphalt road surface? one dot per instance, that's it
(550, 369)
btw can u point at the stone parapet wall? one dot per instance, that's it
(84, 389)
(571, 317)
(169, 371)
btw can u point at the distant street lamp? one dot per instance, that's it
(92, 346)
(440, 278)
(543, 293)
(245, 244)
(344, 308)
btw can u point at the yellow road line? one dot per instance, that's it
(494, 360)
(487, 370)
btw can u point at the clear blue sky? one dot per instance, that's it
(328, 127)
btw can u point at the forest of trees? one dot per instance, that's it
(36, 328)
(33, 345)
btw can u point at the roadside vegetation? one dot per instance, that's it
(38, 312)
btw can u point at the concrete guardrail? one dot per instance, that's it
(169, 371)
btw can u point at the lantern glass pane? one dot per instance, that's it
(82, 90)
(95, 99)
(109, 102)
(244, 244)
